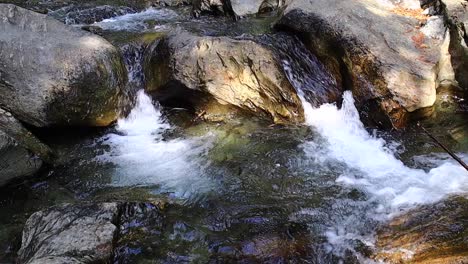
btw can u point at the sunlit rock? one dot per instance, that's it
(429, 234)
(55, 75)
(387, 53)
(230, 72)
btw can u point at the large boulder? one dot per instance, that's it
(70, 234)
(55, 75)
(387, 53)
(234, 72)
(431, 234)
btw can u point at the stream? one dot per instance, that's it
(241, 191)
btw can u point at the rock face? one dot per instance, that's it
(55, 75)
(388, 54)
(70, 234)
(239, 73)
(430, 234)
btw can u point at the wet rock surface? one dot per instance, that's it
(235, 72)
(54, 75)
(430, 234)
(89, 232)
(387, 53)
(70, 234)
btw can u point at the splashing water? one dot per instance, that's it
(143, 157)
(371, 167)
(136, 21)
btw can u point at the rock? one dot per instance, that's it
(388, 54)
(70, 234)
(216, 7)
(55, 75)
(76, 15)
(90, 233)
(15, 161)
(231, 72)
(236, 8)
(246, 7)
(21, 153)
(430, 234)
(457, 16)
(173, 3)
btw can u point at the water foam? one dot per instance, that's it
(136, 21)
(376, 170)
(369, 165)
(144, 158)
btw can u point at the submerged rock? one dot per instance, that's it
(388, 54)
(70, 234)
(429, 234)
(203, 71)
(55, 75)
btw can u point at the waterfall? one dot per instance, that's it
(371, 167)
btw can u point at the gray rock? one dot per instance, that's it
(234, 72)
(70, 234)
(217, 7)
(377, 47)
(53, 74)
(15, 161)
(21, 153)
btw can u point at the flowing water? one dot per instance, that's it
(243, 191)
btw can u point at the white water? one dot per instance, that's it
(137, 21)
(373, 168)
(144, 158)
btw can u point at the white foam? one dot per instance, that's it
(375, 168)
(136, 21)
(371, 166)
(144, 158)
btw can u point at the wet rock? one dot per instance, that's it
(388, 54)
(78, 15)
(70, 234)
(55, 75)
(140, 225)
(429, 234)
(229, 72)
